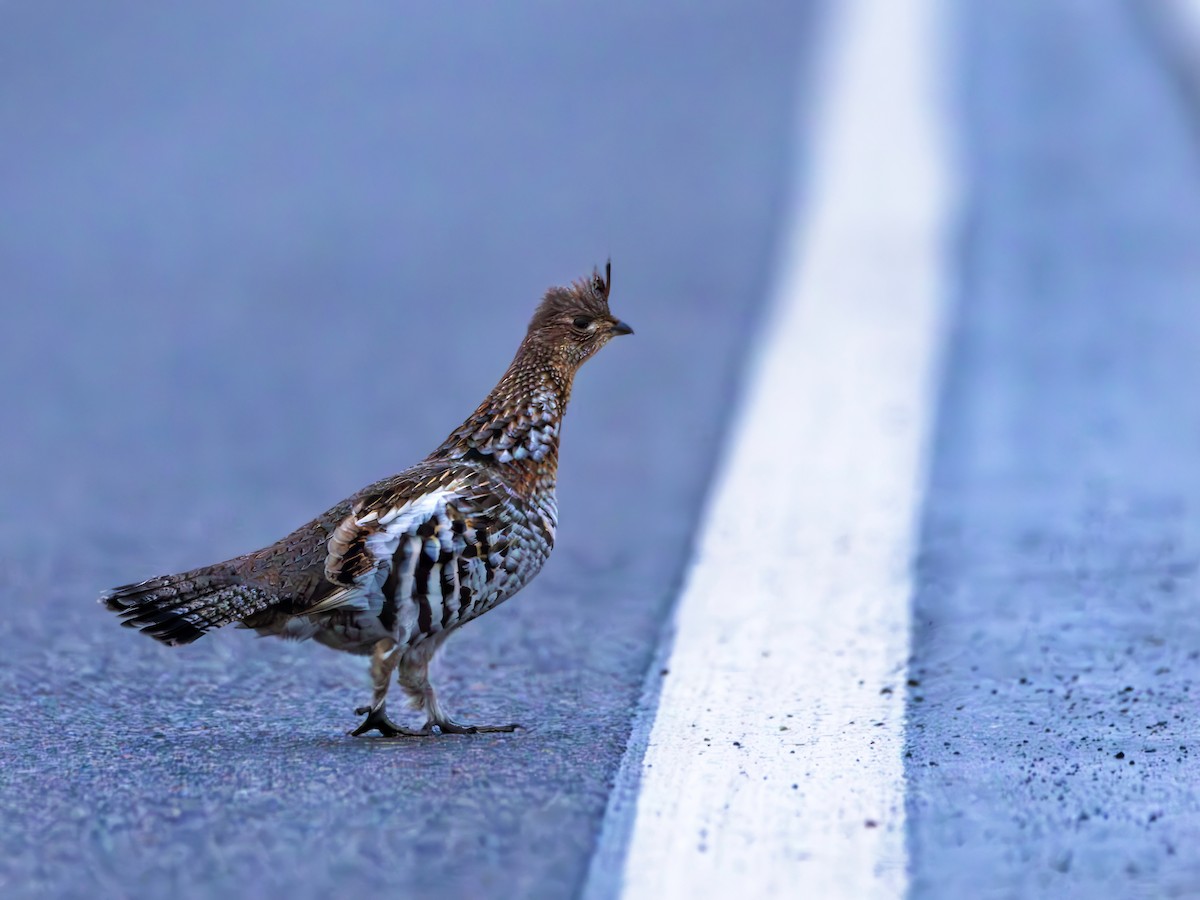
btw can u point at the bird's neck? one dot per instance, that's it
(517, 426)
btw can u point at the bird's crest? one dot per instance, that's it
(587, 295)
(602, 286)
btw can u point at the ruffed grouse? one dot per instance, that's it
(396, 568)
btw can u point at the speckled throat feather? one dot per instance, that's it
(518, 424)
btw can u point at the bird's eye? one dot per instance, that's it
(582, 322)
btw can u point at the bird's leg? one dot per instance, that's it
(382, 665)
(413, 677)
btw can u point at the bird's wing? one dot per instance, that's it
(380, 544)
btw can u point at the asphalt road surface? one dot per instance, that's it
(252, 258)
(1053, 739)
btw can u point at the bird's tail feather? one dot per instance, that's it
(179, 609)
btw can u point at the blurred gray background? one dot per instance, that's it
(254, 256)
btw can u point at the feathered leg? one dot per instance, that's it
(413, 677)
(383, 663)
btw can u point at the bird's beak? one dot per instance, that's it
(620, 327)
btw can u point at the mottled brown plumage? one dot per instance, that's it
(394, 569)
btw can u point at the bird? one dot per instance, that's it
(397, 567)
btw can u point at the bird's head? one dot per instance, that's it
(574, 322)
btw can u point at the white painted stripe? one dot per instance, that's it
(774, 764)
(1175, 24)
(1182, 17)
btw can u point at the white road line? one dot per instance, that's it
(1176, 25)
(773, 766)
(1183, 19)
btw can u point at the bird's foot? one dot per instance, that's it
(448, 726)
(377, 720)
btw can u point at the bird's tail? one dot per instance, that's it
(178, 609)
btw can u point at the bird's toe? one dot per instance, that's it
(448, 726)
(377, 720)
